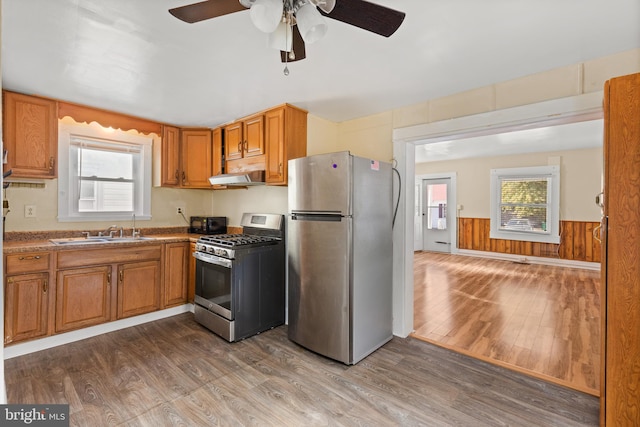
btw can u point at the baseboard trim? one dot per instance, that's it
(531, 259)
(92, 331)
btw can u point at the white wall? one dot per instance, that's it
(580, 180)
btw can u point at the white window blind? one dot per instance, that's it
(109, 175)
(525, 204)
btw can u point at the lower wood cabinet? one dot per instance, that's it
(25, 307)
(104, 284)
(138, 288)
(176, 269)
(191, 280)
(61, 291)
(83, 297)
(26, 296)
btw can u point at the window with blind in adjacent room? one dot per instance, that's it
(525, 204)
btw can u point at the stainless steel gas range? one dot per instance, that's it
(240, 278)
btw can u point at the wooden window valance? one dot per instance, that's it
(81, 113)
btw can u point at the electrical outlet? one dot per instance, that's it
(180, 211)
(29, 211)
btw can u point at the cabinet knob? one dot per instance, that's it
(177, 174)
(45, 286)
(121, 276)
(246, 145)
(184, 177)
(109, 277)
(52, 163)
(26, 258)
(240, 147)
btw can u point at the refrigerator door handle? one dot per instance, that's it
(317, 217)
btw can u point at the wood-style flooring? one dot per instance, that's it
(539, 319)
(173, 372)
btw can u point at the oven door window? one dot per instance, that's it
(213, 288)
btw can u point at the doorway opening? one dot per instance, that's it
(406, 143)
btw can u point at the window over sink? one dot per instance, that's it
(104, 174)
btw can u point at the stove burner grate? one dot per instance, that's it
(236, 240)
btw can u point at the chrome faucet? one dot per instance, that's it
(109, 231)
(134, 233)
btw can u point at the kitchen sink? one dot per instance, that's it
(96, 240)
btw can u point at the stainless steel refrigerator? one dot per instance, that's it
(340, 255)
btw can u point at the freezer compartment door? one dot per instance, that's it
(319, 284)
(321, 183)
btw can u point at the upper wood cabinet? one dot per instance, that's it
(196, 158)
(267, 141)
(170, 170)
(244, 138)
(188, 157)
(285, 138)
(218, 152)
(30, 126)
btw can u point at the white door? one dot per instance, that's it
(436, 215)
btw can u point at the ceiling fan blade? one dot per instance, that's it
(298, 47)
(368, 16)
(206, 10)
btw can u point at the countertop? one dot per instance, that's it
(17, 246)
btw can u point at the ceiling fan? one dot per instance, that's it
(292, 23)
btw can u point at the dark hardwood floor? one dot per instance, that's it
(173, 372)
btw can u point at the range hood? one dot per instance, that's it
(239, 179)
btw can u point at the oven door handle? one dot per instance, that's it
(212, 259)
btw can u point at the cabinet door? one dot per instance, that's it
(170, 156)
(233, 141)
(138, 288)
(253, 130)
(274, 141)
(30, 135)
(196, 158)
(176, 268)
(218, 153)
(621, 254)
(25, 307)
(285, 139)
(83, 297)
(191, 281)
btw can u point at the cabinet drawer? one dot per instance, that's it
(111, 255)
(28, 262)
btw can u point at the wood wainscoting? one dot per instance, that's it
(577, 242)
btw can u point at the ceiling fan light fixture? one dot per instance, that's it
(325, 5)
(310, 23)
(266, 14)
(282, 38)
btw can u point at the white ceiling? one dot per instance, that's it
(570, 136)
(134, 57)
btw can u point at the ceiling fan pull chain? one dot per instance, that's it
(286, 56)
